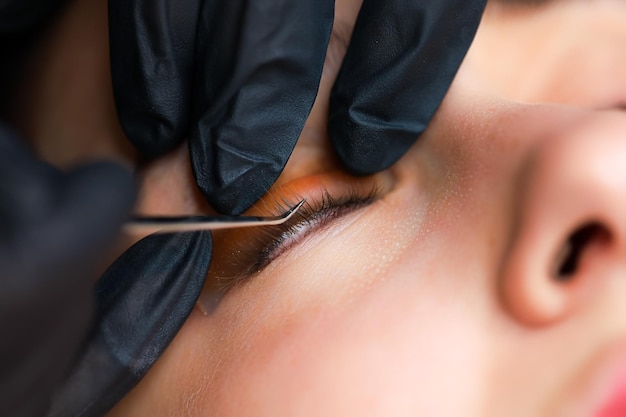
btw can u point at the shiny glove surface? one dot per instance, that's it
(54, 228)
(143, 299)
(238, 79)
(399, 65)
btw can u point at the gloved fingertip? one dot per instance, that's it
(239, 194)
(152, 135)
(152, 56)
(234, 174)
(259, 65)
(394, 76)
(366, 148)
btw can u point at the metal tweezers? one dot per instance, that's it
(170, 224)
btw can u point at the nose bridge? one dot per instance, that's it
(571, 219)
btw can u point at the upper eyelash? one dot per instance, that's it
(267, 242)
(328, 210)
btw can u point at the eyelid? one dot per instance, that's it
(311, 218)
(261, 247)
(236, 251)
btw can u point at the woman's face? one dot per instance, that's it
(482, 275)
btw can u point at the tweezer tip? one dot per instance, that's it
(295, 208)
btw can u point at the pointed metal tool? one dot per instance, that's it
(171, 224)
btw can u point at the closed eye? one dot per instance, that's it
(264, 245)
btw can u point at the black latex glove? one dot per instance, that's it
(238, 78)
(54, 227)
(399, 65)
(143, 299)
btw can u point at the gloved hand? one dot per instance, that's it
(238, 79)
(54, 227)
(143, 299)
(399, 65)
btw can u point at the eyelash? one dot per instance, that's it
(269, 243)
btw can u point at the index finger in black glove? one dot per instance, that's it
(244, 99)
(399, 65)
(258, 75)
(152, 58)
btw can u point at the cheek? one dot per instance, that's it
(383, 351)
(396, 335)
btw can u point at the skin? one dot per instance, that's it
(441, 297)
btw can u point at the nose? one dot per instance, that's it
(570, 222)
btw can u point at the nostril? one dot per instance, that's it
(567, 261)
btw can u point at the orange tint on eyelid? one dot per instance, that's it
(312, 187)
